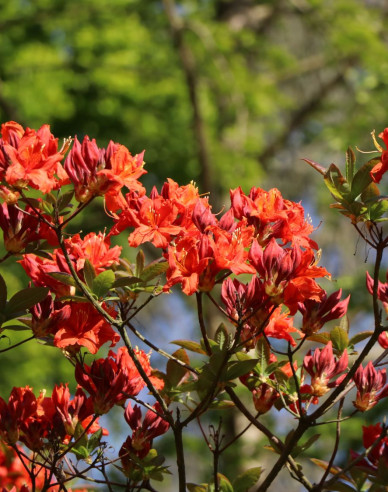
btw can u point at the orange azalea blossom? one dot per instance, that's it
(273, 216)
(185, 197)
(34, 161)
(281, 326)
(38, 269)
(185, 264)
(155, 223)
(94, 247)
(123, 168)
(230, 249)
(83, 326)
(11, 133)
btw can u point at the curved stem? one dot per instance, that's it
(202, 323)
(17, 344)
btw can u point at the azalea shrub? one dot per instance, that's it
(285, 344)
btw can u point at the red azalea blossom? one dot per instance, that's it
(381, 168)
(322, 367)
(378, 456)
(382, 290)
(95, 171)
(317, 313)
(19, 228)
(287, 273)
(45, 315)
(94, 247)
(113, 380)
(140, 442)
(383, 339)
(71, 412)
(83, 326)
(13, 473)
(264, 397)
(371, 387)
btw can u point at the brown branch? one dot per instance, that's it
(299, 117)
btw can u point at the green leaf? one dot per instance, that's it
(224, 483)
(300, 448)
(195, 487)
(103, 283)
(377, 209)
(89, 274)
(350, 162)
(370, 194)
(339, 338)
(64, 200)
(189, 345)
(222, 337)
(81, 452)
(263, 353)
(140, 260)
(359, 337)
(323, 337)
(94, 440)
(50, 198)
(153, 270)
(221, 404)
(46, 207)
(25, 299)
(175, 372)
(238, 368)
(246, 480)
(3, 293)
(73, 298)
(344, 323)
(64, 278)
(362, 178)
(336, 183)
(125, 281)
(151, 289)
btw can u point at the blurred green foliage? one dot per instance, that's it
(269, 75)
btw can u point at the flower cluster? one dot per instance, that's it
(83, 295)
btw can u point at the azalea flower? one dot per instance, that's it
(371, 387)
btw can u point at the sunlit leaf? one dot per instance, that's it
(246, 480)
